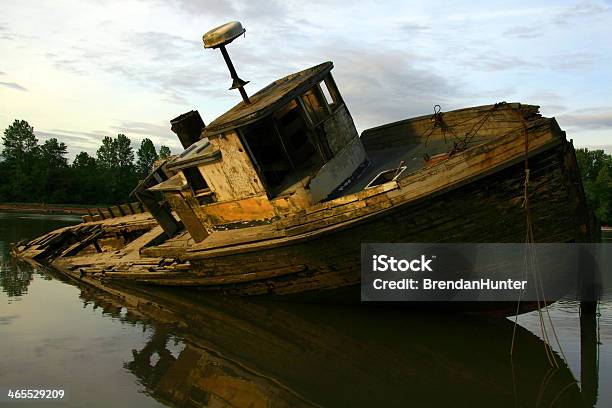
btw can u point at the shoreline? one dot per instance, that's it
(46, 208)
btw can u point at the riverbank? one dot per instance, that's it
(42, 208)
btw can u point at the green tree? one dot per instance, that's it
(88, 187)
(115, 160)
(596, 171)
(164, 152)
(125, 153)
(126, 175)
(33, 172)
(54, 153)
(19, 153)
(107, 162)
(601, 193)
(19, 141)
(5, 187)
(590, 162)
(84, 161)
(107, 154)
(51, 171)
(146, 156)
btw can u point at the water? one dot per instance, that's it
(173, 348)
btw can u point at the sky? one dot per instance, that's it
(82, 70)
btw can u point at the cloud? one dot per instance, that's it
(158, 133)
(551, 103)
(94, 134)
(575, 61)
(164, 47)
(90, 141)
(412, 27)
(76, 141)
(581, 10)
(228, 10)
(13, 85)
(5, 34)
(400, 88)
(167, 64)
(9, 35)
(72, 65)
(495, 61)
(595, 118)
(265, 10)
(458, 57)
(531, 31)
(2, 73)
(215, 7)
(144, 128)
(179, 69)
(170, 65)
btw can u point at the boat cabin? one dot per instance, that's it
(287, 147)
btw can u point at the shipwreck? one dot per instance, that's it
(275, 196)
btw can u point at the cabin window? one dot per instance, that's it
(315, 105)
(326, 94)
(196, 180)
(329, 86)
(294, 134)
(285, 148)
(267, 152)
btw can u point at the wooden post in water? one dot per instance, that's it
(590, 291)
(589, 372)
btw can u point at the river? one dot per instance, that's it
(174, 348)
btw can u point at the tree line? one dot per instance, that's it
(596, 171)
(33, 172)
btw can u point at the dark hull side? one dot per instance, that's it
(486, 210)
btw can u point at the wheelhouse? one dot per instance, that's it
(291, 147)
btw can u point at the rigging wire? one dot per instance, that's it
(459, 143)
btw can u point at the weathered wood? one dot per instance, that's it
(133, 208)
(82, 243)
(233, 177)
(473, 195)
(190, 279)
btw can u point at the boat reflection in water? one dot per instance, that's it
(235, 352)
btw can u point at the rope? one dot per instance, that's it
(480, 124)
(531, 261)
(459, 143)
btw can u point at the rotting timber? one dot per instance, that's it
(275, 196)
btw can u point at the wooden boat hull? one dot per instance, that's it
(326, 267)
(476, 195)
(487, 210)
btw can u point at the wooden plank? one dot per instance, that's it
(326, 222)
(82, 243)
(165, 278)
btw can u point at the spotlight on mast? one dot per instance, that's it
(218, 38)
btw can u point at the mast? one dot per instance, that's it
(218, 38)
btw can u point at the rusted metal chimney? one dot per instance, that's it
(188, 127)
(218, 38)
